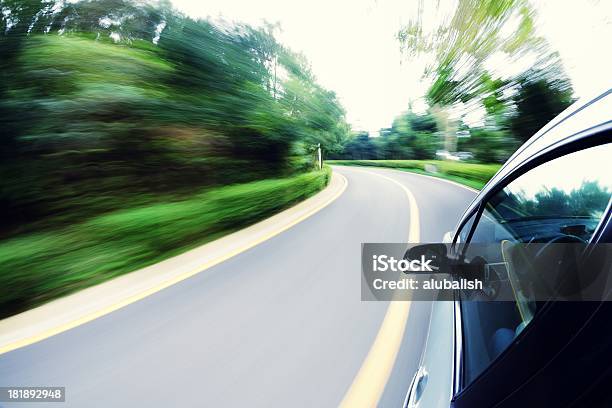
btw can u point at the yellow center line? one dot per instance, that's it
(129, 300)
(370, 382)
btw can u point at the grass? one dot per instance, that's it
(39, 267)
(470, 174)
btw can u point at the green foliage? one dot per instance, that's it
(108, 101)
(488, 145)
(465, 38)
(465, 46)
(411, 136)
(359, 146)
(540, 97)
(38, 267)
(131, 132)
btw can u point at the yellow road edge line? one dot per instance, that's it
(129, 300)
(369, 383)
(431, 176)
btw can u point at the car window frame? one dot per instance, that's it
(597, 138)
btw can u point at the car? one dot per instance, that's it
(526, 353)
(462, 156)
(443, 154)
(457, 156)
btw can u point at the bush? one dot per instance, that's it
(489, 146)
(38, 267)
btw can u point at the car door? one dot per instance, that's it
(435, 380)
(432, 384)
(564, 199)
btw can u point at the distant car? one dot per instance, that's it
(443, 154)
(457, 156)
(464, 155)
(555, 188)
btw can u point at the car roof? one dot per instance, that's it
(582, 119)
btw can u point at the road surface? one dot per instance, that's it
(279, 325)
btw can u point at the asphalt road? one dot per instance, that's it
(279, 325)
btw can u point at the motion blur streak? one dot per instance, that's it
(173, 281)
(124, 122)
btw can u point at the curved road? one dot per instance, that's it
(278, 325)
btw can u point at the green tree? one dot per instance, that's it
(462, 44)
(103, 101)
(539, 98)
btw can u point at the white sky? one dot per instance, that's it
(352, 48)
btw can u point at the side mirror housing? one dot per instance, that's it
(448, 237)
(436, 252)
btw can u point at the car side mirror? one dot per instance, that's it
(438, 253)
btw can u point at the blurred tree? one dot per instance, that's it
(539, 98)
(495, 101)
(462, 43)
(466, 45)
(359, 147)
(105, 100)
(488, 145)
(411, 136)
(590, 195)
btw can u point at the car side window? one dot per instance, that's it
(562, 200)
